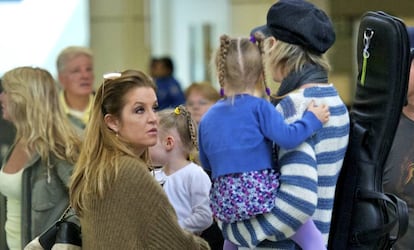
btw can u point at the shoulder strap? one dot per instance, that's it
(65, 213)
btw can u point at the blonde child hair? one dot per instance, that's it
(239, 65)
(180, 119)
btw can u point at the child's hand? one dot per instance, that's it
(321, 112)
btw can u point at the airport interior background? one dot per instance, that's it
(127, 33)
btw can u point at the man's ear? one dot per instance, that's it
(112, 122)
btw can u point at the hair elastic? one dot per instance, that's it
(267, 89)
(221, 92)
(253, 39)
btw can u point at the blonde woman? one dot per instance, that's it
(119, 203)
(294, 41)
(35, 173)
(236, 136)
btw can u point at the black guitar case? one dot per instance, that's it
(364, 217)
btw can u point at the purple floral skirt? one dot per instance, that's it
(241, 196)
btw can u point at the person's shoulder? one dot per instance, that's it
(320, 90)
(194, 167)
(168, 80)
(215, 107)
(252, 99)
(60, 163)
(214, 110)
(293, 106)
(63, 168)
(134, 171)
(296, 96)
(129, 163)
(197, 172)
(262, 103)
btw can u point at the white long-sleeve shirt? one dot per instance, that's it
(188, 191)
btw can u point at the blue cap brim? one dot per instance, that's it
(261, 29)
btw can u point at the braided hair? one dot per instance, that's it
(181, 120)
(239, 64)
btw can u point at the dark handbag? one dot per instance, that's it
(64, 234)
(364, 217)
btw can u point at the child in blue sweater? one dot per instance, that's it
(236, 136)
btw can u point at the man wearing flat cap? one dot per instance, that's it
(399, 167)
(295, 38)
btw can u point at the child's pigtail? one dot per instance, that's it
(224, 45)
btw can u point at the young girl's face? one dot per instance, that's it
(158, 152)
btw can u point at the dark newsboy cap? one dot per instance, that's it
(301, 23)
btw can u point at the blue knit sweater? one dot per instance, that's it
(308, 176)
(235, 134)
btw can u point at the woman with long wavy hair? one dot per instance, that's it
(35, 173)
(119, 203)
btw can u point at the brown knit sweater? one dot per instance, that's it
(135, 214)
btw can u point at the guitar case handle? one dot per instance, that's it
(400, 211)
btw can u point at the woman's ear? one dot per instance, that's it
(272, 43)
(112, 123)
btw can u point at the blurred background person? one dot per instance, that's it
(76, 77)
(200, 96)
(399, 167)
(35, 172)
(169, 90)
